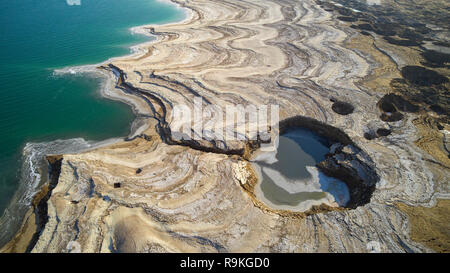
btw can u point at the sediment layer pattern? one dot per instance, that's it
(146, 194)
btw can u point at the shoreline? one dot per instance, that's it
(173, 189)
(107, 90)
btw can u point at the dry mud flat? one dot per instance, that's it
(150, 193)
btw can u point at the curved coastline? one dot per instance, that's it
(33, 169)
(161, 193)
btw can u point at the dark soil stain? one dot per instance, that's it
(418, 75)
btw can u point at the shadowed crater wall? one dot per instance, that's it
(345, 160)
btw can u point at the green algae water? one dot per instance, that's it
(39, 36)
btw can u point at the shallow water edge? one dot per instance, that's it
(34, 167)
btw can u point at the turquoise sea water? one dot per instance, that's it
(38, 36)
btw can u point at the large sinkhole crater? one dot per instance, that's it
(313, 164)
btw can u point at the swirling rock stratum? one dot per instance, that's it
(151, 194)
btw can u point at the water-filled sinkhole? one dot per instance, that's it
(289, 178)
